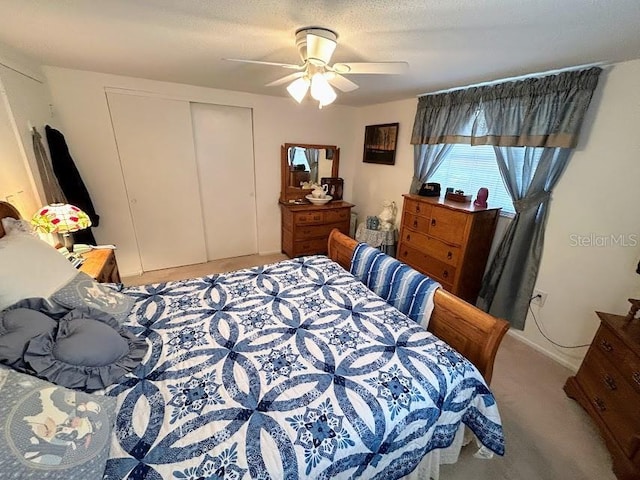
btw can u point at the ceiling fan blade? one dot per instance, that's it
(373, 68)
(319, 49)
(340, 82)
(273, 64)
(285, 79)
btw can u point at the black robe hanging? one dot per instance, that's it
(71, 182)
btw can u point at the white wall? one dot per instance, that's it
(81, 109)
(597, 194)
(24, 101)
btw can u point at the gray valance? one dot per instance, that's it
(536, 112)
(446, 117)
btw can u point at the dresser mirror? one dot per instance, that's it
(302, 164)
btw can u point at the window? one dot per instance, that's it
(299, 158)
(468, 168)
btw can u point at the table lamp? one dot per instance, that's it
(61, 218)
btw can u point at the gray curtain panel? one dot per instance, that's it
(313, 154)
(52, 191)
(426, 160)
(529, 174)
(544, 115)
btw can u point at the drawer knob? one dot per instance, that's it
(636, 377)
(433, 222)
(404, 254)
(445, 274)
(417, 208)
(449, 255)
(610, 382)
(606, 346)
(599, 404)
(415, 224)
(408, 236)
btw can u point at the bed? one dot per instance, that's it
(297, 370)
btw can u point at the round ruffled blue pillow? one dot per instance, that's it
(18, 327)
(89, 351)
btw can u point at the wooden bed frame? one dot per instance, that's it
(7, 210)
(472, 332)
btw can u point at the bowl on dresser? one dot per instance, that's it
(319, 201)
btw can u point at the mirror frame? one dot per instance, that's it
(289, 193)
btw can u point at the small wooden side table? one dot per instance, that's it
(101, 265)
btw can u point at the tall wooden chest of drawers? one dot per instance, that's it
(607, 386)
(448, 241)
(306, 228)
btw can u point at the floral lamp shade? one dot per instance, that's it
(60, 218)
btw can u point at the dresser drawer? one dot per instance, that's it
(417, 208)
(310, 247)
(333, 216)
(416, 222)
(447, 225)
(618, 354)
(613, 398)
(440, 271)
(307, 218)
(432, 246)
(307, 232)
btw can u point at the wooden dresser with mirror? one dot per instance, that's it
(306, 227)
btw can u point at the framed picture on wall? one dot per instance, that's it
(380, 143)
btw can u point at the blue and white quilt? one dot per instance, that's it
(290, 370)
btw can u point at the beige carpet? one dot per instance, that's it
(548, 436)
(200, 269)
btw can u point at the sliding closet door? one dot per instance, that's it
(155, 144)
(224, 151)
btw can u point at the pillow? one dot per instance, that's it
(30, 268)
(84, 291)
(50, 432)
(17, 225)
(17, 328)
(397, 283)
(89, 351)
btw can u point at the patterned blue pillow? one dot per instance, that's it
(84, 291)
(50, 432)
(397, 283)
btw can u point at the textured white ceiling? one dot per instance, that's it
(447, 43)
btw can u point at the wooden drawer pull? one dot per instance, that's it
(636, 377)
(600, 405)
(417, 208)
(449, 255)
(610, 382)
(606, 346)
(433, 222)
(445, 274)
(415, 224)
(408, 237)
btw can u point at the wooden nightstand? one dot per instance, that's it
(101, 265)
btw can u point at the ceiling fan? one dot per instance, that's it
(316, 45)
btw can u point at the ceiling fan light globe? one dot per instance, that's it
(321, 90)
(298, 89)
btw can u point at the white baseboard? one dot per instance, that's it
(135, 273)
(552, 355)
(274, 252)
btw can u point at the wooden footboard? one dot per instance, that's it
(472, 332)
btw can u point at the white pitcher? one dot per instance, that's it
(320, 191)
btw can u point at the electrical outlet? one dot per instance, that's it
(539, 297)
